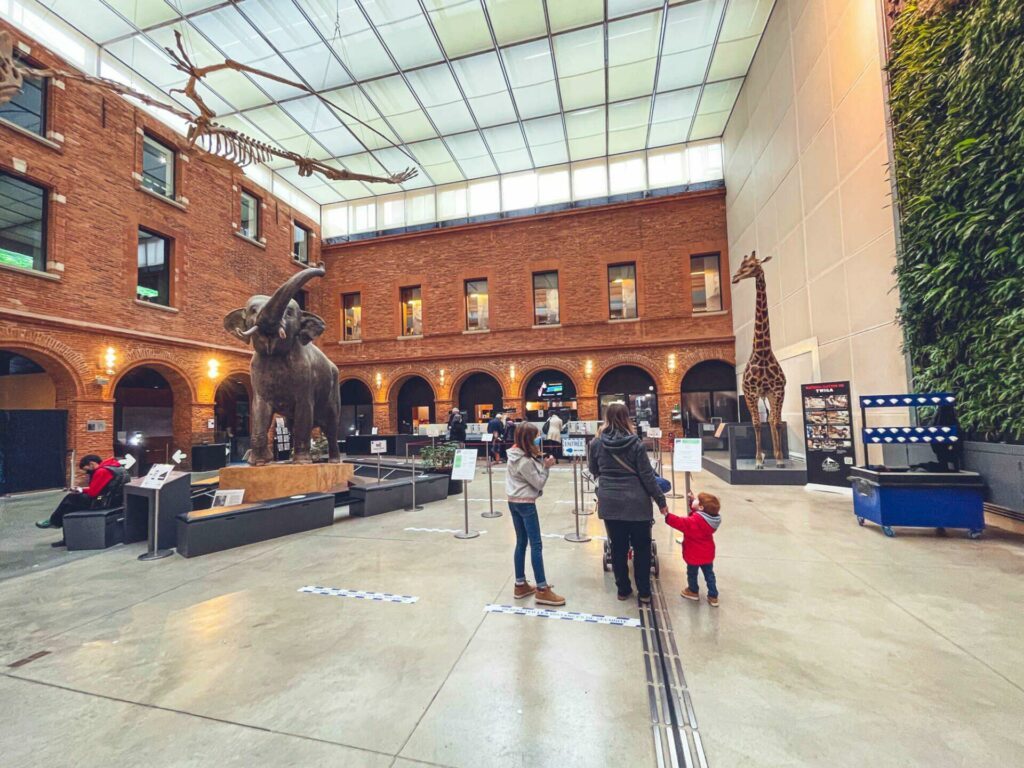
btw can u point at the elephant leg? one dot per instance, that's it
(331, 432)
(262, 414)
(775, 418)
(755, 418)
(302, 432)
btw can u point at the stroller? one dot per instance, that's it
(606, 560)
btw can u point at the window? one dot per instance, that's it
(412, 311)
(154, 281)
(705, 283)
(27, 109)
(622, 291)
(476, 305)
(302, 299)
(157, 167)
(300, 243)
(545, 298)
(250, 219)
(352, 316)
(22, 223)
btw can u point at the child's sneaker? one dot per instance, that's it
(524, 590)
(547, 596)
(689, 595)
(713, 601)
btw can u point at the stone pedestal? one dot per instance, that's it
(275, 481)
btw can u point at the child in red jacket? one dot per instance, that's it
(699, 543)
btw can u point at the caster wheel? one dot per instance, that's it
(860, 520)
(607, 566)
(974, 534)
(888, 531)
(655, 569)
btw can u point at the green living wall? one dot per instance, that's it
(957, 99)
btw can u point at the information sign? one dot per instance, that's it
(486, 437)
(654, 432)
(686, 454)
(828, 432)
(157, 476)
(378, 446)
(464, 464)
(574, 446)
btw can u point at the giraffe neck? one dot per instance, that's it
(762, 331)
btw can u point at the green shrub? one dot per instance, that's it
(957, 99)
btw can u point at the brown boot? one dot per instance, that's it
(524, 590)
(689, 595)
(713, 602)
(547, 596)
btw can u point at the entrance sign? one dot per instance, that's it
(486, 437)
(828, 432)
(157, 476)
(574, 446)
(464, 464)
(378, 446)
(654, 432)
(686, 454)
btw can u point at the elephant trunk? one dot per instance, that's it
(270, 317)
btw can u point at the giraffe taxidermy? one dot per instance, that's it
(763, 377)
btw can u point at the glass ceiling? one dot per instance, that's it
(469, 88)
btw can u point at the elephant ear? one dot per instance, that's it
(312, 326)
(234, 323)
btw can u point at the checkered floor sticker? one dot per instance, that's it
(583, 618)
(438, 530)
(381, 597)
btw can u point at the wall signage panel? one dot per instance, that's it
(828, 432)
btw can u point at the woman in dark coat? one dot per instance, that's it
(626, 486)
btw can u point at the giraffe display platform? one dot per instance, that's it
(736, 464)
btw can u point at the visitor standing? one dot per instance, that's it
(496, 429)
(698, 529)
(524, 483)
(627, 485)
(553, 433)
(457, 427)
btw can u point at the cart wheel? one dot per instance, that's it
(888, 531)
(655, 567)
(974, 533)
(860, 520)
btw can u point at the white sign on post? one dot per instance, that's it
(464, 464)
(378, 446)
(373, 430)
(227, 498)
(654, 432)
(157, 476)
(686, 454)
(574, 446)
(487, 437)
(645, 424)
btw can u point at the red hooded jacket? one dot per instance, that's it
(100, 478)
(698, 538)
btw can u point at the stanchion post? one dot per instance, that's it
(491, 512)
(686, 483)
(674, 494)
(415, 506)
(465, 533)
(378, 468)
(577, 537)
(155, 553)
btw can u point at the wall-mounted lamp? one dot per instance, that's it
(213, 368)
(512, 372)
(379, 379)
(588, 367)
(672, 362)
(441, 372)
(110, 361)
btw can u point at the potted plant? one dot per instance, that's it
(439, 459)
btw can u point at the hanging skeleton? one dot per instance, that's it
(203, 130)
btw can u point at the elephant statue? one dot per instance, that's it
(290, 376)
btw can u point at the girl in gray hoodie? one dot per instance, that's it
(524, 483)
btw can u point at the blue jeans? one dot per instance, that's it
(709, 578)
(527, 525)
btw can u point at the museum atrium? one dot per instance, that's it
(397, 383)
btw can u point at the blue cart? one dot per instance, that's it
(919, 499)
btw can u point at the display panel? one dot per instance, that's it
(828, 432)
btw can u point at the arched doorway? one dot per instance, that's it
(708, 396)
(547, 390)
(231, 410)
(33, 429)
(415, 404)
(152, 417)
(633, 386)
(356, 408)
(479, 394)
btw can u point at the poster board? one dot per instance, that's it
(686, 454)
(378, 446)
(828, 432)
(486, 437)
(464, 464)
(227, 498)
(157, 476)
(654, 433)
(574, 446)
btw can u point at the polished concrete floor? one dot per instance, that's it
(833, 646)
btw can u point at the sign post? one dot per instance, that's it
(155, 480)
(576, 449)
(491, 511)
(686, 458)
(655, 434)
(464, 469)
(415, 506)
(378, 447)
(575, 537)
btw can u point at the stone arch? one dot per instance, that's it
(460, 378)
(182, 400)
(575, 378)
(642, 403)
(395, 392)
(356, 417)
(636, 361)
(469, 404)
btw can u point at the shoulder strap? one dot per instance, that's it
(624, 464)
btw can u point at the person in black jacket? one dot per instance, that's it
(626, 486)
(457, 427)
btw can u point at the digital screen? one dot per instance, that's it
(551, 389)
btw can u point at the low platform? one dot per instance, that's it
(274, 481)
(717, 463)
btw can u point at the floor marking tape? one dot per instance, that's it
(583, 618)
(381, 597)
(438, 530)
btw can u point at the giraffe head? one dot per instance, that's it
(751, 267)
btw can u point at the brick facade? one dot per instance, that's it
(64, 319)
(659, 235)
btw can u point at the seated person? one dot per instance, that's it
(100, 473)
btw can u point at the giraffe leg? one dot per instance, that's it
(755, 418)
(774, 419)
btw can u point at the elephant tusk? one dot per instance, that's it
(249, 332)
(281, 332)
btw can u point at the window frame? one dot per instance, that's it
(307, 235)
(358, 328)
(44, 223)
(636, 297)
(721, 299)
(403, 302)
(168, 265)
(486, 315)
(257, 214)
(44, 102)
(173, 175)
(558, 296)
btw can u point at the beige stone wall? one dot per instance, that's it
(806, 168)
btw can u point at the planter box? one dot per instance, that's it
(1002, 466)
